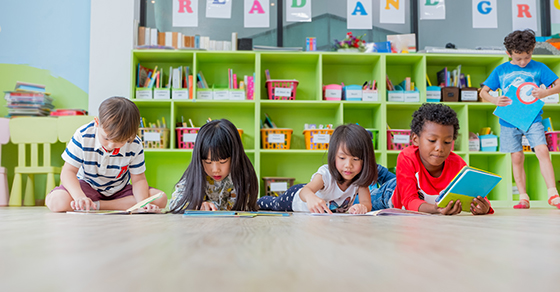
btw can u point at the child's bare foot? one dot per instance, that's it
(523, 204)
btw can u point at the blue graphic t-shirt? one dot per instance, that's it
(507, 75)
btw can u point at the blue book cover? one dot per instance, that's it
(523, 108)
(469, 183)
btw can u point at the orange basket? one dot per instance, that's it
(276, 186)
(317, 139)
(273, 85)
(154, 137)
(276, 138)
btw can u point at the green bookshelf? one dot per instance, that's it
(313, 70)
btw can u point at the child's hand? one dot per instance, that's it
(358, 209)
(539, 92)
(503, 100)
(207, 206)
(84, 203)
(151, 208)
(317, 205)
(480, 206)
(451, 209)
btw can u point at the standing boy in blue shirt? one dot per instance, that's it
(521, 69)
(101, 159)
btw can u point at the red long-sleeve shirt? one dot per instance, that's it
(415, 185)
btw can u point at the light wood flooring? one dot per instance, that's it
(513, 250)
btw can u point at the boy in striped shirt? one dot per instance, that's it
(100, 161)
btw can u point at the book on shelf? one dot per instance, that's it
(271, 48)
(202, 80)
(468, 184)
(26, 86)
(153, 36)
(442, 77)
(136, 209)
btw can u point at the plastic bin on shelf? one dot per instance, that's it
(398, 139)
(154, 137)
(281, 89)
(186, 137)
(332, 92)
(276, 138)
(276, 186)
(317, 139)
(553, 141)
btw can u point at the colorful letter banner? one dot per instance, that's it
(185, 13)
(554, 11)
(359, 14)
(391, 11)
(524, 14)
(484, 14)
(432, 9)
(218, 8)
(298, 10)
(257, 13)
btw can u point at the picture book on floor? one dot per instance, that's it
(136, 209)
(382, 212)
(239, 214)
(469, 183)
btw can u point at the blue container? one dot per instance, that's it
(488, 143)
(352, 92)
(382, 47)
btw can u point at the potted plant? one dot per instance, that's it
(351, 43)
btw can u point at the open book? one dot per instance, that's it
(136, 209)
(469, 183)
(247, 214)
(382, 212)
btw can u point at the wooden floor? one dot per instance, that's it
(513, 250)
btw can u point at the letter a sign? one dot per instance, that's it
(256, 13)
(524, 14)
(359, 14)
(185, 13)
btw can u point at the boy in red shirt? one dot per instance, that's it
(427, 166)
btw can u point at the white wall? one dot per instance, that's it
(111, 41)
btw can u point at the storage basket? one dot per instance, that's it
(186, 137)
(317, 139)
(282, 89)
(553, 141)
(398, 139)
(276, 138)
(154, 137)
(276, 186)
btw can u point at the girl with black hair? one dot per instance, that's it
(220, 175)
(350, 170)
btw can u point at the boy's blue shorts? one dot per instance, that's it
(510, 138)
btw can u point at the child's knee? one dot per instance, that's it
(541, 151)
(58, 201)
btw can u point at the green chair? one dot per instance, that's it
(67, 126)
(35, 132)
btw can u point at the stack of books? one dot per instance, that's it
(28, 100)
